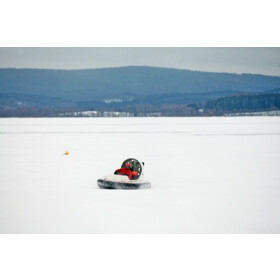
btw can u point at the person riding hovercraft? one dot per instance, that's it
(129, 176)
(126, 171)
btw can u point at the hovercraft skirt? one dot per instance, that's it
(122, 186)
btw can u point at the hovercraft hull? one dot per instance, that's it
(106, 184)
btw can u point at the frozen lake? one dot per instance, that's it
(208, 175)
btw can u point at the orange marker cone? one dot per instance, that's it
(66, 153)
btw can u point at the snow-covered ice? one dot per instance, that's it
(208, 175)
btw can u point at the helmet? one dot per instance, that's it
(127, 165)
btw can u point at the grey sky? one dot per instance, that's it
(234, 60)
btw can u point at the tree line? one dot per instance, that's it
(41, 107)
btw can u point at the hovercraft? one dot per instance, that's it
(129, 177)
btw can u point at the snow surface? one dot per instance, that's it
(208, 175)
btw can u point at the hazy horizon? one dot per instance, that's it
(263, 61)
(108, 67)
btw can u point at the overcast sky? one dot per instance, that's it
(234, 60)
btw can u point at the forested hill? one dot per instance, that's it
(132, 82)
(244, 103)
